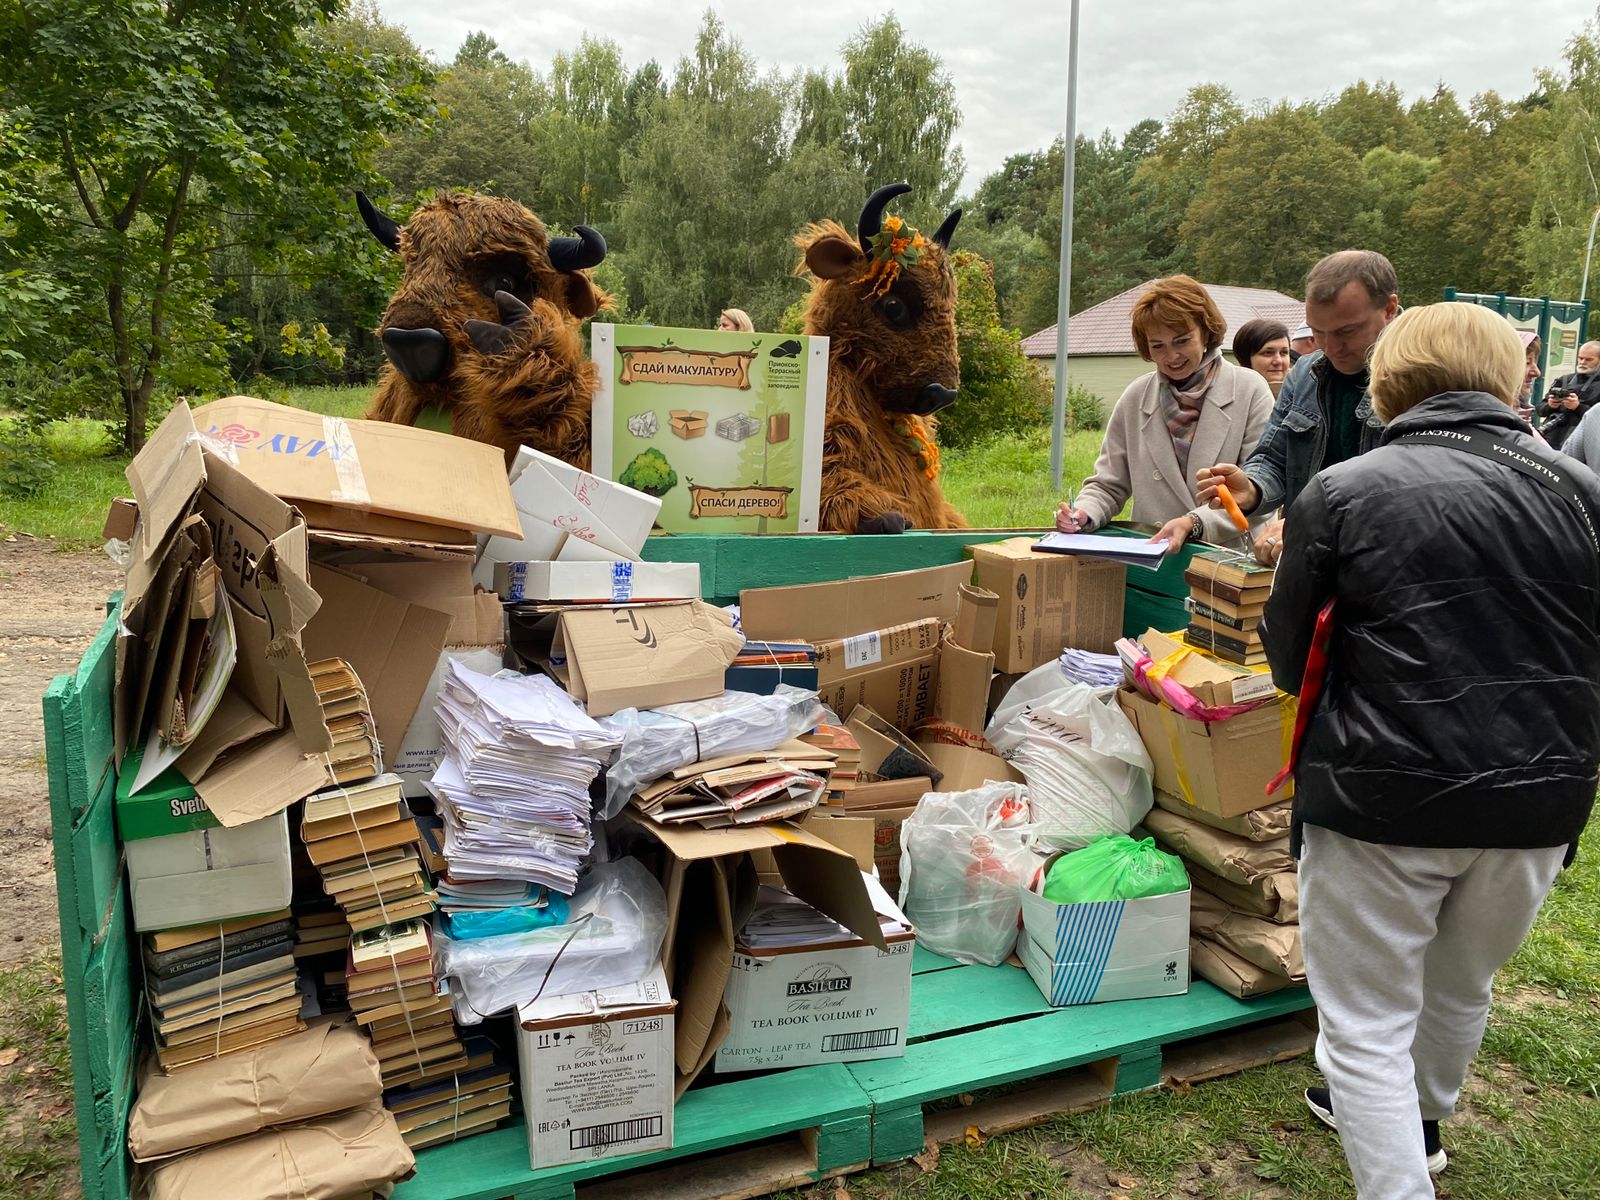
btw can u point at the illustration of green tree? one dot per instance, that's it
(650, 473)
(760, 461)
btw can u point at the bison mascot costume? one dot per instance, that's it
(482, 335)
(886, 299)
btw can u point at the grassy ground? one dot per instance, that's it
(38, 1136)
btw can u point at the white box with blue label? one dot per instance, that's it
(597, 1072)
(595, 582)
(1106, 950)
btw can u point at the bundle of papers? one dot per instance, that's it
(1130, 551)
(472, 1100)
(846, 751)
(756, 654)
(784, 921)
(487, 895)
(347, 712)
(389, 971)
(513, 787)
(740, 789)
(220, 988)
(363, 841)
(1096, 670)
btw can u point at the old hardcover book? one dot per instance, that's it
(1229, 616)
(1232, 569)
(1224, 648)
(1205, 589)
(1250, 637)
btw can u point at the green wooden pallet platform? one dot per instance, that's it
(972, 1027)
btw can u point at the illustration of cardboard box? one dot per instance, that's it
(777, 428)
(738, 427)
(687, 424)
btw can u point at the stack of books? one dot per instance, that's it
(470, 1100)
(1227, 595)
(215, 989)
(846, 751)
(391, 988)
(362, 840)
(348, 715)
(320, 929)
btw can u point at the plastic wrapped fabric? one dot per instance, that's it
(658, 740)
(613, 938)
(1088, 773)
(1114, 868)
(496, 922)
(964, 859)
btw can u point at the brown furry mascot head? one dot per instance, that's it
(886, 299)
(484, 327)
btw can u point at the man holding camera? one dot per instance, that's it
(1571, 396)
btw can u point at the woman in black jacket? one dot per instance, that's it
(1451, 757)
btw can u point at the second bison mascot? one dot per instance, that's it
(886, 299)
(482, 335)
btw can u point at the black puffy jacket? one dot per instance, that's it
(1462, 703)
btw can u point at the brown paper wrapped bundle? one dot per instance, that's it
(1236, 859)
(1270, 946)
(1275, 897)
(1259, 825)
(1226, 970)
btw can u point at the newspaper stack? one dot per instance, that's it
(363, 841)
(392, 990)
(513, 788)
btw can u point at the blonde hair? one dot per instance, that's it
(740, 318)
(1449, 347)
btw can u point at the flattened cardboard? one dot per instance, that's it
(644, 657)
(965, 768)
(819, 612)
(895, 671)
(886, 753)
(1048, 602)
(260, 779)
(977, 610)
(393, 646)
(962, 698)
(365, 466)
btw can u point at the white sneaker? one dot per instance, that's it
(1320, 1102)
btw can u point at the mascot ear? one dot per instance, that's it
(831, 257)
(583, 298)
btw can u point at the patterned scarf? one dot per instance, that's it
(1181, 401)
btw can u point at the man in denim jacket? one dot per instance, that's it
(1323, 414)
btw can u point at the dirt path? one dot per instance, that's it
(51, 604)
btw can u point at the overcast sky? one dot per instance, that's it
(1008, 59)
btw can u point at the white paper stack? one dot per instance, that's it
(513, 787)
(782, 921)
(1096, 670)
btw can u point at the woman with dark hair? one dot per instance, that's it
(1174, 421)
(1263, 347)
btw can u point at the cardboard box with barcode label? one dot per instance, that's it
(1048, 602)
(1105, 950)
(597, 1072)
(842, 1002)
(894, 671)
(602, 582)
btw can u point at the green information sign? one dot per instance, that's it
(725, 427)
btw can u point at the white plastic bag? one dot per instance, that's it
(1088, 773)
(611, 938)
(964, 859)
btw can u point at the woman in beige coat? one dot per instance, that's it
(1172, 422)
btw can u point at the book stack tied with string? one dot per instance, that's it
(392, 990)
(1227, 595)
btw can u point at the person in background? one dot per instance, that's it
(1263, 346)
(1530, 371)
(735, 320)
(1301, 343)
(1323, 414)
(1572, 396)
(1433, 808)
(1192, 409)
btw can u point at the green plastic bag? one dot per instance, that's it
(1114, 868)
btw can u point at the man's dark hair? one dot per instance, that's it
(1332, 275)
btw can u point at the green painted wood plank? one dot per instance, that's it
(945, 1002)
(84, 749)
(923, 960)
(96, 858)
(1138, 1070)
(710, 1118)
(109, 1004)
(1145, 610)
(1065, 1037)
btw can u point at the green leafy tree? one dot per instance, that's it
(1171, 177)
(199, 108)
(1001, 391)
(1394, 179)
(1279, 195)
(1366, 116)
(1435, 122)
(575, 139)
(649, 472)
(1566, 179)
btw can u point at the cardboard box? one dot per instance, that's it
(603, 582)
(965, 768)
(841, 1002)
(642, 657)
(365, 466)
(886, 753)
(185, 868)
(708, 875)
(886, 823)
(687, 424)
(1211, 680)
(1222, 767)
(820, 612)
(894, 671)
(1049, 602)
(1067, 953)
(628, 514)
(977, 610)
(596, 1071)
(962, 698)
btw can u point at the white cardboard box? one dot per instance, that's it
(1107, 950)
(847, 1002)
(597, 1072)
(605, 582)
(422, 749)
(625, 512)
(210, 875)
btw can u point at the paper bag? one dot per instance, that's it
(1226, 970)
(326, 1069)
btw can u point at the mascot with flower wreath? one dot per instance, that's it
(886, 299)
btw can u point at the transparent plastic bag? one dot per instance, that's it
(612, 938)
(658, 740)
(964, 859)
(1114, 868)
(1088, 773)
(496, 922)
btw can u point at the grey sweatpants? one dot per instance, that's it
(1401, 946)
